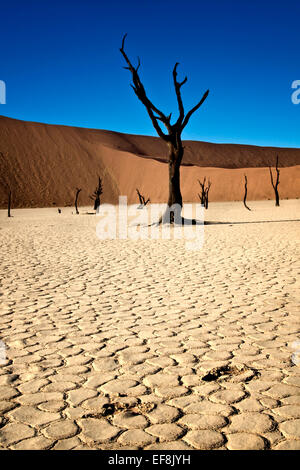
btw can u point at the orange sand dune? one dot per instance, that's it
(43, 164)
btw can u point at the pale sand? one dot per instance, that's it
(138, 324)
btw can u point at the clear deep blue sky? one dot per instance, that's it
(62, 65)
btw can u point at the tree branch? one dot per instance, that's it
(189, 114)
(140, 92)
(177, 86)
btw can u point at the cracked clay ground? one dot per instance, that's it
(146, 345)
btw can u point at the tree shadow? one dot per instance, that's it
(186, 222)
(249, 222)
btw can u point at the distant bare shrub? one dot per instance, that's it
(142, 200)
(275, 185)
(96, 194)
(204, 192)
(76, 200)
(245, 194)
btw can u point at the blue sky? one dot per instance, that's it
(62, 65)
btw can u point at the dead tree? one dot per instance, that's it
(275, 185)
(245, 194)
(202, 195)
(142, 200)
(76, 200)
(9, 203)
(204, 192)
(96, 194)
(4, 159)
(172, 136)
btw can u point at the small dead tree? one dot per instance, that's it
(76, 200)
(204, 192)
(275, 185)
(96, 194)
(9, 203)
(7, 184)
(172, 137)
(142, 200)
(245, 194)
(202, 195)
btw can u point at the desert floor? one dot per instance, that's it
(123, 344)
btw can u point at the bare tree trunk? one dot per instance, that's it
(245, 195)
(277, 197)
(76, 200)
(173, 212)
(97, 203)
(206, 194)
(9, 204)
(206, 199)
(275, 185)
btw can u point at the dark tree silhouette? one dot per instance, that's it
(9, 203)
(275, 185)
(76, 200)
(7, 185)
(245, 194)
(202, 195)
(96, 194)
(172, 137)
(142, 200)
(204, 192)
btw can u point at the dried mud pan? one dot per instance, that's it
(123, 344)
